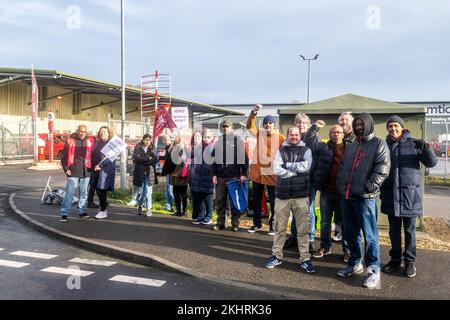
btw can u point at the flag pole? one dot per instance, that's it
(34, 104)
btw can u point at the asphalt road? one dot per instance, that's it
(39, 277)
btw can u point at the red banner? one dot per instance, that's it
(162, 120)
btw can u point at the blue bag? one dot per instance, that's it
(238, 193)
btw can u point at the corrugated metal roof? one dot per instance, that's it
(93, 86)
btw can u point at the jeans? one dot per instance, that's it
(330, 203)
(168, 194)
(145, 191)
(312, 217)
(395, 233)
(72, 183)
(258, 190)
(362, 214)
(202, 206)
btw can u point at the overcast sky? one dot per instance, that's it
(241, 51)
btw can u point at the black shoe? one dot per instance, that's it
(410, 269)
(391, 266)
(83, 216)
(63, 219)
(290, 243)
(92, 205)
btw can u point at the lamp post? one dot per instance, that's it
(123, 157)
(309, 72)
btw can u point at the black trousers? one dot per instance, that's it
(395, 233)
(258, 191)
(181, 198)
(222, 202)
(102, 196)
(91, 193)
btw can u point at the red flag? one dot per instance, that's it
(162, 120)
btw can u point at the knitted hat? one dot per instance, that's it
(397, 119)
(268, 119)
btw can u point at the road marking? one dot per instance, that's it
(33, 255)
(67, 271)
(3, 194)
(140, 281)
(2, 215)
(13, 264)
(93, 262)
(1, 249)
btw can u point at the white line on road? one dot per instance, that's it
(140, 281)
(2, 215)
(33, 255)
(68, 271)
(93, 262)
(1, 249)
(13, 264)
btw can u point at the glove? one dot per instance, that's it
(421, 144)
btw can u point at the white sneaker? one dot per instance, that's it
(132, 203)
(373, 279)
(148, 214)
(102, 215)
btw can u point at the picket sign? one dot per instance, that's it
(47, 187)
(113, 149)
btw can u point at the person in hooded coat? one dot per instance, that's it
(365, 167)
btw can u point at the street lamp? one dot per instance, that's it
(309, 72)
(123, 158)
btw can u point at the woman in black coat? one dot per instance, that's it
(401, 193)
(104, 173)
(144, 173)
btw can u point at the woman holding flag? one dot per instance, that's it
(104, 172)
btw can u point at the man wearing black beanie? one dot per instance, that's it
(401, 193)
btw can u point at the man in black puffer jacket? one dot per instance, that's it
(329, 161)
(401, 193)
(365, 167)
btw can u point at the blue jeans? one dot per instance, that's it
(312, 217)
(202, 206)
(72, 183)
(168, 194)
(362, 214)
(145, 192)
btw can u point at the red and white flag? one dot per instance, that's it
(34, 94)
(162, 120)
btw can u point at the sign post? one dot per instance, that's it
(51, 118)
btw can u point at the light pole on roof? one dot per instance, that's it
(309, 73)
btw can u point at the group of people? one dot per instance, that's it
(351, 171)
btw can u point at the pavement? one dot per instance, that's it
(225, 257)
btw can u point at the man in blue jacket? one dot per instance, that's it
(401, 193)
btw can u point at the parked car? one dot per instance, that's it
(59, 139)
(441, 151)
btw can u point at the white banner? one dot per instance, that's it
(114, 148)
(180, 116)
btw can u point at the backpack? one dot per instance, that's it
(58, 196)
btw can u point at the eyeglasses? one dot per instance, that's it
(336, 132)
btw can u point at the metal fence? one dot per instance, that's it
(16, 140)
